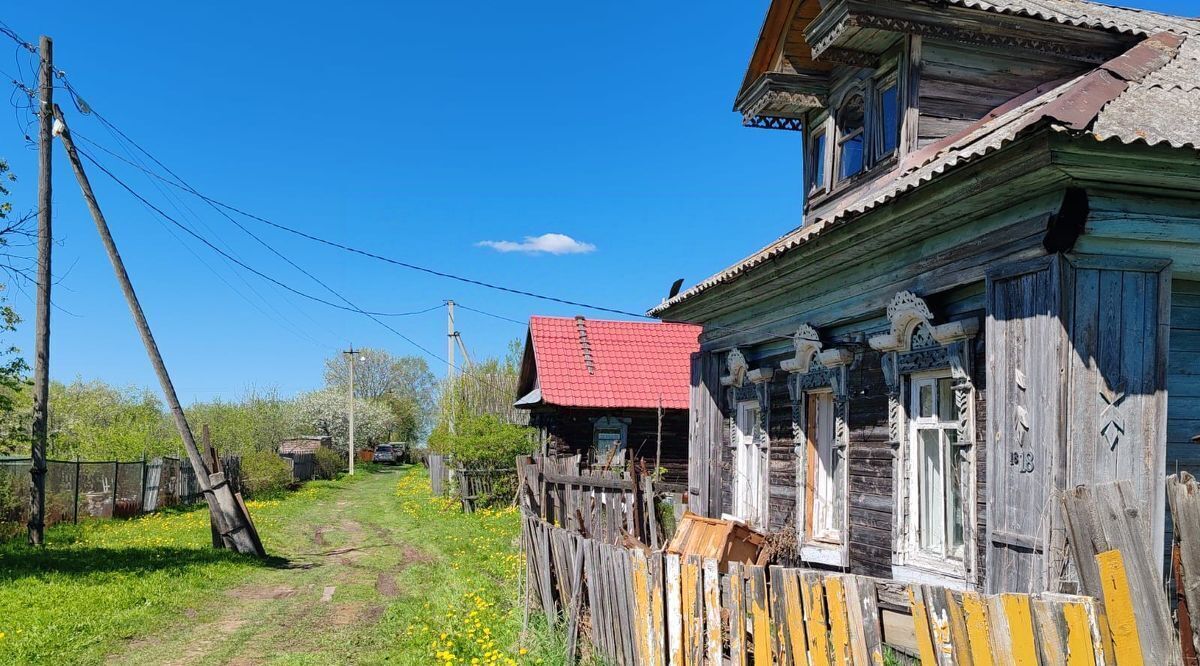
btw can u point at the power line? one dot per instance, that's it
(489, 314)
(373, 316)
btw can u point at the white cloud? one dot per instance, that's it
(546, 243)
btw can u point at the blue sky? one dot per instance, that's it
(414, 130)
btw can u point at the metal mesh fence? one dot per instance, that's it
(78, 490)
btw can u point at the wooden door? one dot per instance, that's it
(1120, 328)
(1026, 362)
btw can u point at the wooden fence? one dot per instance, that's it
(439, 473)
(640, 607)
(475, 486)
(609, 506)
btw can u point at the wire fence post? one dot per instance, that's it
(142, 494)
(75, 512)
(116, 475)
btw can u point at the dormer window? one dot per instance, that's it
(851, 128)
(888, 94)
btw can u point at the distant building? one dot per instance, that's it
(594, 388)
(300, 445)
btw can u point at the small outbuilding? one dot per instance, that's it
(302, 445)
(606, 389)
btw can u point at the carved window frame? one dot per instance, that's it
(610, 423)
(814, 369)
(744, 385)
(915, 345)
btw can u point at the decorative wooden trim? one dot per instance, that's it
(807, 344)
(735, 363)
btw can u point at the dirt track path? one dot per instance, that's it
(341, 563)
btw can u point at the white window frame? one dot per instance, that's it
(749, 465)
(942, 564)
(825, 519)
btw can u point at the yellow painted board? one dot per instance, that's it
(737, 615)
(978, 628)
(657, 624)
(794, 615)
(1020, 628)
(712, 612)
(916, 600)
(760, 618)
(816, 624)
(1081, 642)
(693, 621)
(1118, 606)
(642, 630)
(957, 625)
(839, 629)
(1051, 630)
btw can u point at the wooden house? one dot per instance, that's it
(605, 390)
(994, 293)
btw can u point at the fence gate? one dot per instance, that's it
(153, 479)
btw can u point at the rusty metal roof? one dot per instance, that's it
(1148, 94)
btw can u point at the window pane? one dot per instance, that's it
(889, 102)
(851, 136)
(925, 400)
(816, 163)
(947, 408)
(956, 480)
(930, 484)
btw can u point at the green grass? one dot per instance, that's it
(151, 589)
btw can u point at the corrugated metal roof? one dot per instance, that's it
(1088, 15)
(1151, 94)
(612, 364)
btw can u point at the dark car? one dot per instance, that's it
(384, 453)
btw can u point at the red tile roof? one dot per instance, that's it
(596, 363)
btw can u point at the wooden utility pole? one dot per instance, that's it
(233, 522)
(41, 344)
(450, 333)
(350, 449)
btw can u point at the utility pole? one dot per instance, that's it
(41, 344)
(350, 449)
(231, 517)
(450, 335)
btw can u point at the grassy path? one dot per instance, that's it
(369, 570)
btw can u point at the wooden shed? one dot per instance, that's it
(994, 294)
(605, 390)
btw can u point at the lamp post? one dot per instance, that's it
(351, 354)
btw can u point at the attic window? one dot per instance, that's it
(816, 161)
(889, 118)
(851, 137)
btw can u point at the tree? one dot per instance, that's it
(255, 422)
(15, 399)
(325, 413)
(95, 421)
(403, 384)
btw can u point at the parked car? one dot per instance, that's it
(384, 453)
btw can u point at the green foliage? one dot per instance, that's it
(96, 421)
(483, 441)
(328, 463)
(11, 507)
(264, 473)
(403, 385)
(14, 395)
(256, 422)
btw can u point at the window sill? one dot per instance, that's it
(839, 187)
(951, 576)
(826, 554)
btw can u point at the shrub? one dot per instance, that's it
(483, 442)
(11, 507)
(264, 472)
(328, 463)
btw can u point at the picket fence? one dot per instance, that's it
(640, 607)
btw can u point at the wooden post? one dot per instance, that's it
(75, 509)
(231, 520)
(116, 475)
(41, 331)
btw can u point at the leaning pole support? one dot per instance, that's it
(229, 516)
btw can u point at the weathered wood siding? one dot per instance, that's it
(961, 83)
(1183, 379)
(1026, 363)
(570, 431)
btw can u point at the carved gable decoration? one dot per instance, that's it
(914, 343)
(807, 345)
(736, 366)
(912, 326)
